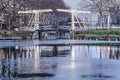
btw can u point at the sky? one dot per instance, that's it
(72, 3)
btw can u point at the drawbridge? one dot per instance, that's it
(34, 22)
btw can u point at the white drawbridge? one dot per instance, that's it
(34, 19)
(36, 13)
(73, 15)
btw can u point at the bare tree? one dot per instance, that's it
(10, 8)
(99, 6)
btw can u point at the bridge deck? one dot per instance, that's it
(53, 42)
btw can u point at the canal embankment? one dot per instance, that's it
(10, 35)
(113, 34)
(108, 35)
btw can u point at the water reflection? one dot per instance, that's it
(20, 60)
(49, 61)
(101, 52)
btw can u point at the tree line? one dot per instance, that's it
(103, 7)
(11, 7)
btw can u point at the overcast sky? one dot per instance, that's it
(72, 3)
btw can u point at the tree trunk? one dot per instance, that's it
(101, 21)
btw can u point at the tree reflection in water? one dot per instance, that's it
(28, 60)
(41, 61)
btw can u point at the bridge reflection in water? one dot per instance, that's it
(51, 62)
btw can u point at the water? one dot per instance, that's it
(57, 62)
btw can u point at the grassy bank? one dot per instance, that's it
(99, 34)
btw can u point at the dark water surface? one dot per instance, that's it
(73, 62)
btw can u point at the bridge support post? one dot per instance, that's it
(55, 50)
(36, 18)
(39, 35)
(73, 34)
(73, 24)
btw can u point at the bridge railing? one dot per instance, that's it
(68, 28)
(27, 29)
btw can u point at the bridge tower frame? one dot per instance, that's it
(73, 12)
(36, 16)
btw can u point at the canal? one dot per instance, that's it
(59, 62)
